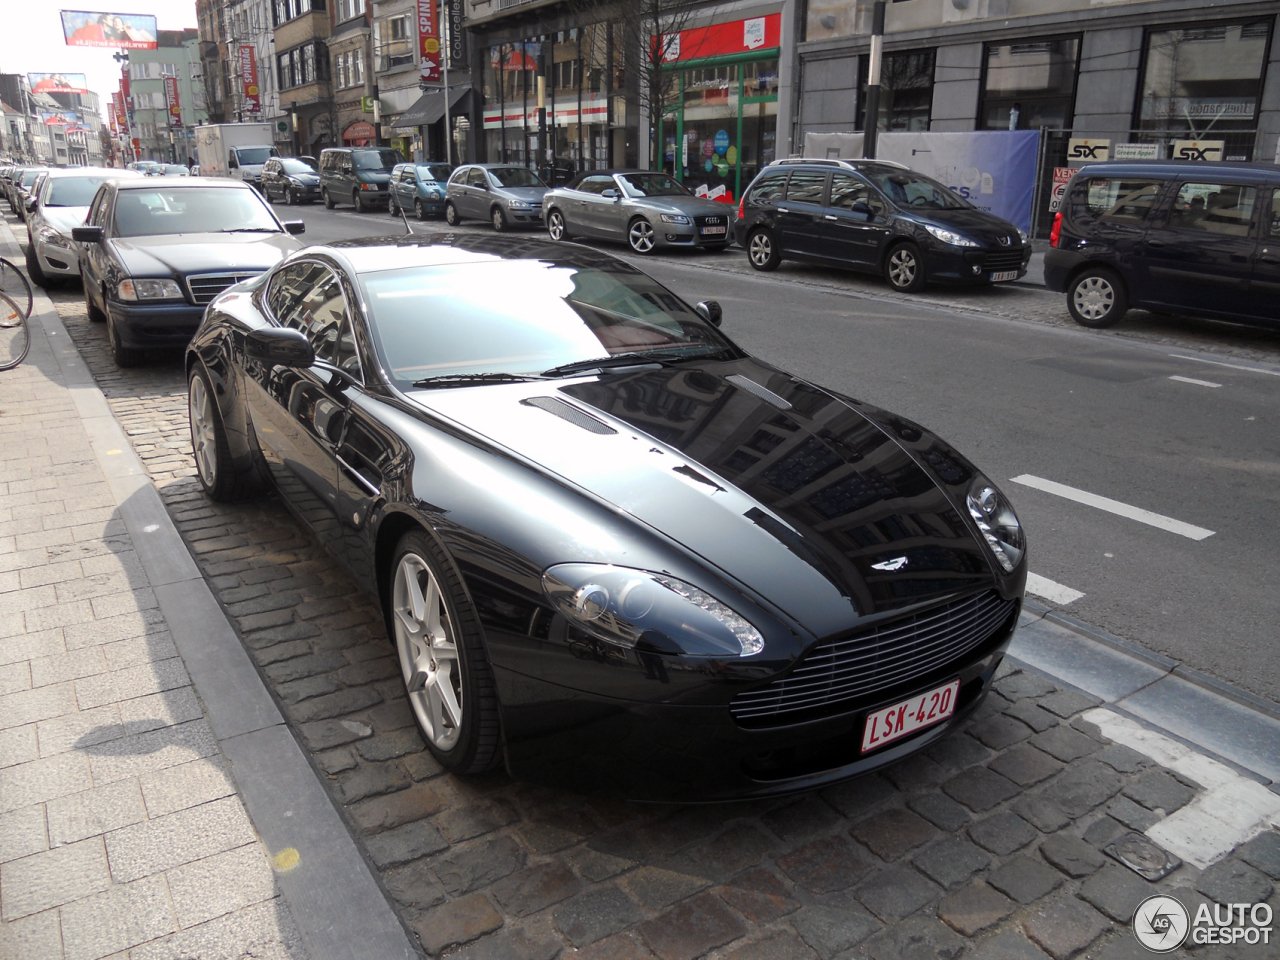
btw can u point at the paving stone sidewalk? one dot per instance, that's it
(121, 833)
(987, 846)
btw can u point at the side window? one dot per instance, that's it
(846, 191)
(476, 178)
(806, 186)
(1222, 208)
(94, 219)
(1273, 218)
(321, 314)
(597, 185)
(770, 189)
(287, 288)
(1120, 201)
(459, 175)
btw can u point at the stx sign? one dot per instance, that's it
(249, 78)
(1083, 151)
(428, 41)
(1198, 149)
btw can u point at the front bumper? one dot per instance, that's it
(945, 263)
(689, 235)
(376, 198)
(532, 216)
(154, 326)
(57, 261)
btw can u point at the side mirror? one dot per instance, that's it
(710, 311)
(30, 204)
(88, 234)
(279, 346)
(609, 194)
(860, 207)
(295, 227)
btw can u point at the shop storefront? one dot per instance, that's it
(720, 125)
(359, 134)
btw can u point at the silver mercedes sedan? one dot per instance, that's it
(646, 208)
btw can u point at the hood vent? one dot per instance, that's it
(764, 393)
(567, 411)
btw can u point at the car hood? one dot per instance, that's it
(63, 219)
(798, 503)
(308, 178)
(374, 176)
(975, 224)
(528, 194)
(188, 253)
(689, 206)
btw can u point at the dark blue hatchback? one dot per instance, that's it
(1170, 236)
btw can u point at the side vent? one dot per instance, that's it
(764, 393)
(567, 411)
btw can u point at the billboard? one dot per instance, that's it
(249, 77)
(124, 31)
(59, 118)
(58, 83)
(428, 41)
(171, 98)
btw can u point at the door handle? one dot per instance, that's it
(784, 209)
(355, 475)
(1156, 243)
(830, 217)
(1269, 258)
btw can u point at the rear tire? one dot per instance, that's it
(762, 250)
(904, 268)
(440, 648)
(1096, 298)
(451, 215)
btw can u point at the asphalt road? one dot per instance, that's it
(1005, 376)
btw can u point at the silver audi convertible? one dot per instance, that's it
(646, 208)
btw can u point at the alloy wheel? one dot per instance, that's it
(499, 221)
(428, 651)
(760, 250)
(289, 198)
(418, 210)
(1094, 298)
(555, 226)
(203, 439)
(640, 236)
(902, 267)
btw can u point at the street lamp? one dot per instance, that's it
(871, 123)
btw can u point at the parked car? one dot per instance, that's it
(877, 217)
(1170, 236)
(291, 179)
(22, 188)
(155, 251)
(612, 548)
(498, 192)
(357, 175)
(168, 170)
(142, 166)
(61, 205)
(645, 208)
(419, 187)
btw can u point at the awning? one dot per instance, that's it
(430, 107)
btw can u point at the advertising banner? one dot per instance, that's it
(123, 31)
(124, 84)
(1061, 177)
(249, 79)
(58, 83)
(1081, 150)
(57, 118)
(428, 41)
(1198, 149)
(1137, 151)
(720, 39)
(171, 98)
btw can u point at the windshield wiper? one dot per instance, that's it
(466, 379)
(656, 357)
(250, 230)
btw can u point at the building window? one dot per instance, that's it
(347, 9)
(357, 67)
(906, 90)
(1030, 84)
(286, 10)
(1203, 78)
(309, 64)
(392, 45)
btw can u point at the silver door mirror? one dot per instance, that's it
(609, 194)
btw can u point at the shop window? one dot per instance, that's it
(1203, 78)
(1030, 84)
(906, 90)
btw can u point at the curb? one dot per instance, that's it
(336, 901)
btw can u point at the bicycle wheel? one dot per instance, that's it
(14, 285)
(14, 338)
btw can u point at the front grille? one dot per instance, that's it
(207, 286)
(711, 222)
(837, 671)
(995, 261)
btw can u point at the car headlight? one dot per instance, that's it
(675, 218)
(54, 238)
(997, 522)
(1023, 235)
(949, 236)
(369, 186)
(148, 290)
(519, 205)
(650, 611)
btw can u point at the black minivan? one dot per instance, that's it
(879, 217)
(1170, 236)
(360, 176)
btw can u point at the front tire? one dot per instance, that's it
(357, 201)
(419, 211)
(438, 643)
(904, 268)
(218, 474)
(451, 215)
(1097, 298)
(124, 356)
(498, 218)
(557, 229)
(95, 314)
(290, 198)
(640, 236)
(37, 274)
(328, 200)
(762, 250)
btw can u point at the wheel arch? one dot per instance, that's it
(1085, 265)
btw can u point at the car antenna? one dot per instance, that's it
(407, 229)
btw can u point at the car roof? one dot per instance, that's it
(1237, 170)
(183, 183)
(376, 254)
(66, 172)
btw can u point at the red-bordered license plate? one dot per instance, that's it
(902, 719)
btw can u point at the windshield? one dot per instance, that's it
(254, 154)
(294, 165)
(515, 177)
(908, 189)
(652, 185)
(464, 319)
(166, 210)
(437, 171)
(73, 191)
(175, 170)
(376, 159)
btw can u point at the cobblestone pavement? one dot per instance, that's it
(120, 828)
(987, 846)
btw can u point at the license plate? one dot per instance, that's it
(902, 719)
(708, 231)
(1004, 275)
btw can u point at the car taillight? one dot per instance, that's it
(1056, 232)
(741, 205)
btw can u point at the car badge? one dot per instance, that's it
(897, 563)
(1005, 241)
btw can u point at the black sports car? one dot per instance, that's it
(613, 550)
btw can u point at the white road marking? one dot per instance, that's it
(1198, 383)
(1115, 506)
(1049, 590)
(1233, 366)
(1230, 811)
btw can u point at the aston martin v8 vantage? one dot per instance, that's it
(614, 551)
